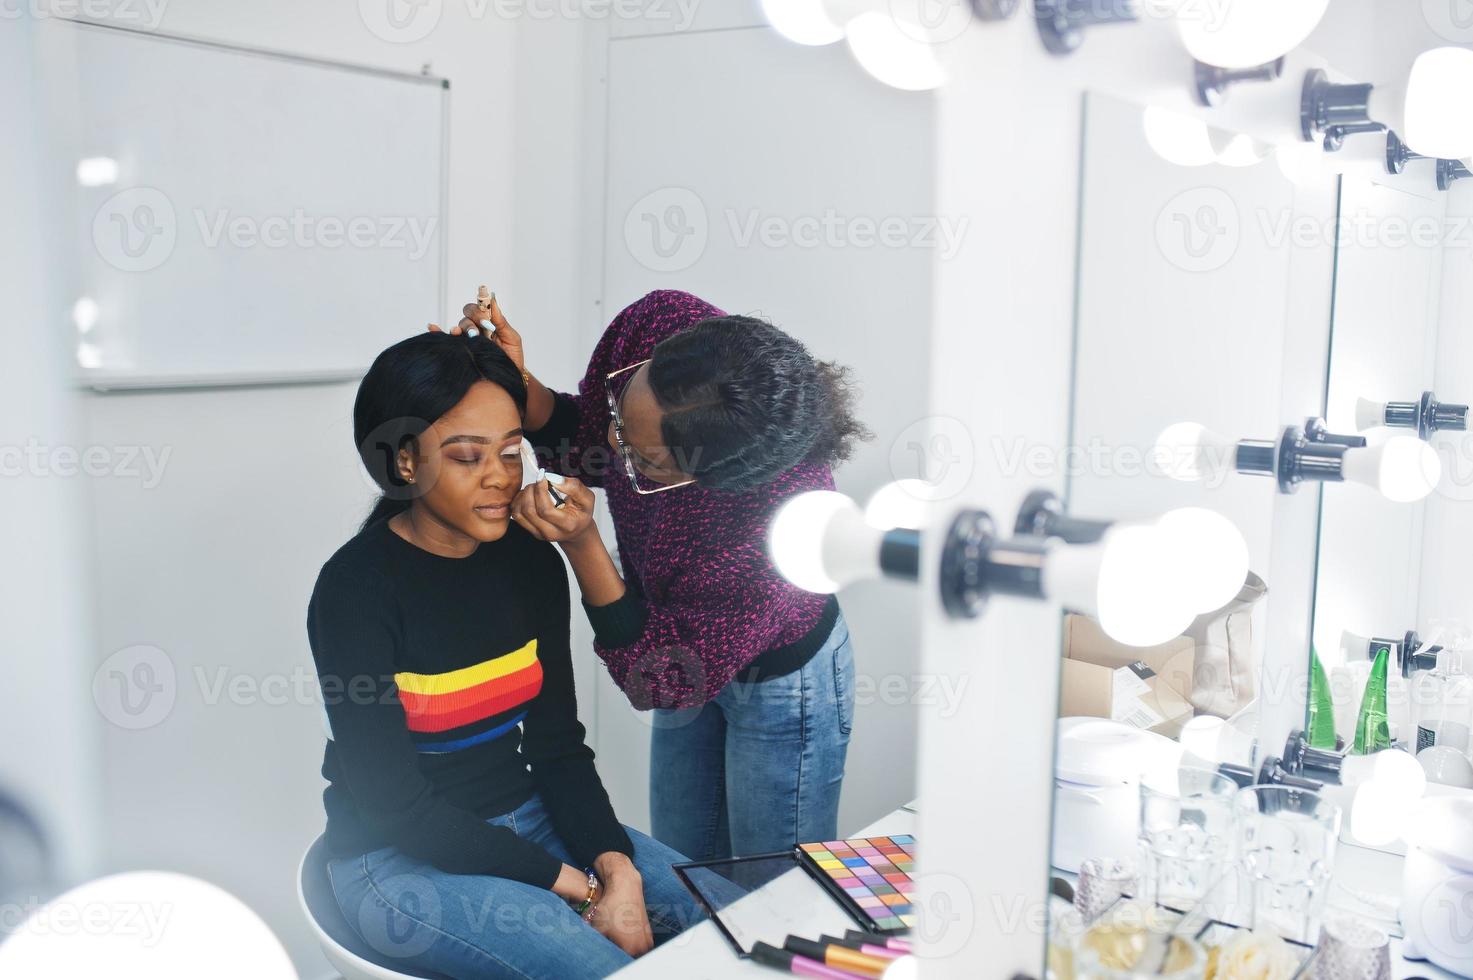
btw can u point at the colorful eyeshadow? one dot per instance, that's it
(873, 875)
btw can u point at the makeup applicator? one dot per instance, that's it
(532, 472)
(484, 299)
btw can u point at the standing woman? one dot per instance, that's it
(699, 425)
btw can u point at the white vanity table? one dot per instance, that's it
(704, 954)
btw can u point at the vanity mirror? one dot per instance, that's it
(1186, 295)
(1392, 605)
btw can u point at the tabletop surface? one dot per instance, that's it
(702, 953)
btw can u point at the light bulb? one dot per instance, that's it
(1437, 122)
(145, 925)
(1178, 138)
(903, 503)
(893, 55)
(1190, 452)
(1303, 164)
(1247, 33)
(1369, 414)
(820, 542)
(1243, 150)
(97, 171)
(1202, 737)
(1404, 469)
(1212, 562)
(85, 314)
(89, 356)
(1385, 802)
(1125, 581)
(802, 21)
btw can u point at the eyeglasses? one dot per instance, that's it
(619, 440)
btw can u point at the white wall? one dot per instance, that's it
(48, 726)
(780, 137)
(214, 565)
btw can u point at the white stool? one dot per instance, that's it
(349, 954)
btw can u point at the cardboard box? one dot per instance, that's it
(1148, 687)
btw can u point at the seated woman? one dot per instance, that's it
(470, 834)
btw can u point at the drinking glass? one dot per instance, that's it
(1286, 854)
(1188, 828)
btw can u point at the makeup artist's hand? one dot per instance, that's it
(507, 338)
(534, 510)
(621, 916)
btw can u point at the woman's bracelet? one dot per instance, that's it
(589, 906)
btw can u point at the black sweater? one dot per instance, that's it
(449, 689)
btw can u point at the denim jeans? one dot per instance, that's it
(478, 926)
(759, 767)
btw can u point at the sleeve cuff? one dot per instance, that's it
(613, 839)
(620, 623)
(556, 437)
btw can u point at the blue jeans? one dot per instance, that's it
(759, 767)
(475, 926)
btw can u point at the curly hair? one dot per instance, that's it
(744, 402)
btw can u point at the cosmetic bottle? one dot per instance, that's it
(1372, 733)
(1321, 728)
(1442, 703)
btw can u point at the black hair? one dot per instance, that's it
(409, 386)
(744, 402)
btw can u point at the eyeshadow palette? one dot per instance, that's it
(870, 876)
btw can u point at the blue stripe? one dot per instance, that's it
(465, 743)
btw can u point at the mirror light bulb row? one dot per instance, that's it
(1144, 582)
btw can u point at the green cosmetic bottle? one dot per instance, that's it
(1321, 728)
(1372, 733)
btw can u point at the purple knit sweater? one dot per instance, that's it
(704, 600)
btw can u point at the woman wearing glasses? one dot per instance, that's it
(698, 426)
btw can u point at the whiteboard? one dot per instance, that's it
(273, 218)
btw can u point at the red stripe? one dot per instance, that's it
(442, 712)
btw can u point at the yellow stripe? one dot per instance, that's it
(459, 680)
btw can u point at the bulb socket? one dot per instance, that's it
(1449, 172)
(1300, 759)
(1212, 83)
(975, 565)
(1042, 516)
(900, 554)
(1332, 112)
(1062, 23)
(1427, 416)
(1398, 154)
